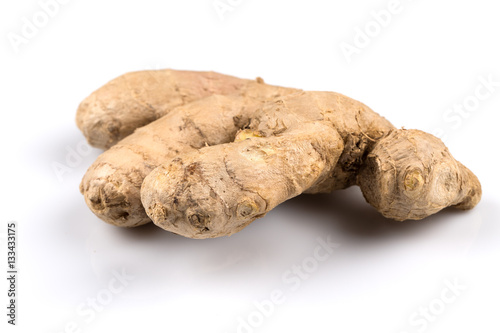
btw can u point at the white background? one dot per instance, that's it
(428, 58)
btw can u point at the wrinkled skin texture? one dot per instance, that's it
(210, 167)
(111, 186)
(209, 188)
(136, 99)
(411, 174)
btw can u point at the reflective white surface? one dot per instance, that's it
(436, 275)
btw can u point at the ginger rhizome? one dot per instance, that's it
(135, 99)
(220, 152)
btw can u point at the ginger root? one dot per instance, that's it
(211, 166)
(112, 184)
(136, 99)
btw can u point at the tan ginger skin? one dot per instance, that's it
(210, 166)
(137, 98)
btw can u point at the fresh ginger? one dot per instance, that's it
(135, 99)
(112, 184)
(210, 167)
